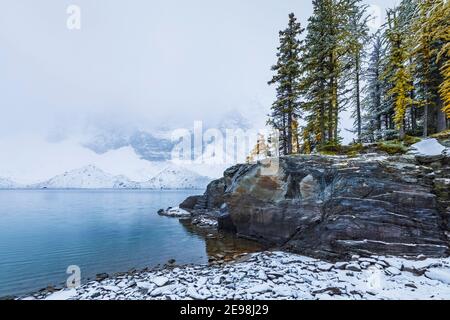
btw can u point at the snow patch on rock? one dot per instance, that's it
(428, 147)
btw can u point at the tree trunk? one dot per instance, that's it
(336, 115)
(425, 122)
(402, 131)
(284, 135)
(441, 120)
(330, 122)
(289, 133)
(322, 124)
(413, 120)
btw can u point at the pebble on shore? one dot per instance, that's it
(276, 275)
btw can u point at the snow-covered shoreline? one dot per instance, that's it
(275, 275)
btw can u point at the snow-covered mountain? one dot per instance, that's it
(174, 177)
(89, 177)
(6, 183)
(92, 177)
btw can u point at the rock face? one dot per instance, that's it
(335, 207)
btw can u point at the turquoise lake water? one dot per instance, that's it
(42, 232)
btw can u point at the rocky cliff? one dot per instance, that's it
(336, 206)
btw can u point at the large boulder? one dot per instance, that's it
(214, 194)
(190, 202)
(428, 151)
(332, 207)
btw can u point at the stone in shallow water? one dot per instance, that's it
(174, 212)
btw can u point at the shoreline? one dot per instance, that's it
(272, 275)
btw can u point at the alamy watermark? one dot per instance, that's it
(74, 279)
(73, 21)
(374, 278)
(226, 146)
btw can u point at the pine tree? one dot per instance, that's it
(358, 36)
(407, 78)
(430, 56)
(373, 109)
(439, 21)
(422, 57)
(401, 79)
(327, 46)
(314, 83)
(288, 71)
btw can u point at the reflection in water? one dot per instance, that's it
(221, 246)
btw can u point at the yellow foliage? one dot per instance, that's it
(261, 150)
(439, 22)
(400, 91)
(445, 88)
(401, 79)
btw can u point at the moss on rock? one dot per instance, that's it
(392, 147)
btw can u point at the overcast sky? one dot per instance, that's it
(140, 61)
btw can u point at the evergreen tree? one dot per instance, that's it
(422, 57)
(324, 85)
(401, 80)
(287, 77)
(314, 83)
(358, 36)
(374, 92)
(407, 78)
(430, 57)
(439, 22)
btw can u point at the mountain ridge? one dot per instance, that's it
(92, 177)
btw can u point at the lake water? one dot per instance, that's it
(42, 232)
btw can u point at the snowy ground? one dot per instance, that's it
(278, 275)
